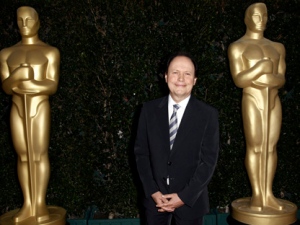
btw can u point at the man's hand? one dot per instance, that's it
(158, 198)
(170, 203)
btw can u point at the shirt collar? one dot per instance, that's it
(182, 104)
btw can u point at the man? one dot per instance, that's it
(175, 172)
(29, 72)
(258, 66)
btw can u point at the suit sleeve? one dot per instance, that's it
(142, 156)
(208, 158)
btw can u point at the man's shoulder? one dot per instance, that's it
(203, 105)
(156, 102)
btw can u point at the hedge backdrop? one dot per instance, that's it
(112, 53)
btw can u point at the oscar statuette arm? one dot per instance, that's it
(48, 85)
(11, 81)
(279, 77)
(243, 76)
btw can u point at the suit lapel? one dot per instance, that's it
(163, 123)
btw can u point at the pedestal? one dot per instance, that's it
(231, 221)
(57, 217)
(241, 212)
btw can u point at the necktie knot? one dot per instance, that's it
(176, 107)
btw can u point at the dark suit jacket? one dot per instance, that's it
(190, 164)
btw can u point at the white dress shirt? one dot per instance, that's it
(180, 111)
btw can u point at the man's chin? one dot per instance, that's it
(180, 95)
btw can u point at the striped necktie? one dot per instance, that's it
(173, 125)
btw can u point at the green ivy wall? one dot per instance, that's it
(112, 52)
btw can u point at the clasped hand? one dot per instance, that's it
(168, 202)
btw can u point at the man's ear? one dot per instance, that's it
(166, 77)
(195, 80)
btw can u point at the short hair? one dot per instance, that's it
(185, 54)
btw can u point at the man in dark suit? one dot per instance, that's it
(175, 172)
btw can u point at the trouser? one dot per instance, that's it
(158, 218)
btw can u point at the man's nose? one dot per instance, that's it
(180, 76)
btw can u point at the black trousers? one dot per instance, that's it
(158, 218)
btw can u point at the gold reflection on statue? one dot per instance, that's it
(30, 73)
(258, 66)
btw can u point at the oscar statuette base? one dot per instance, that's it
(268, 216)
(57, 217)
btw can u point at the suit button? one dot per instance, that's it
(169, 163)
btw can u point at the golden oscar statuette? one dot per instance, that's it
(258, 66)
(29, 72)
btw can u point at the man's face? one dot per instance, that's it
(180, 78)
(257, 18)
(28, 21)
